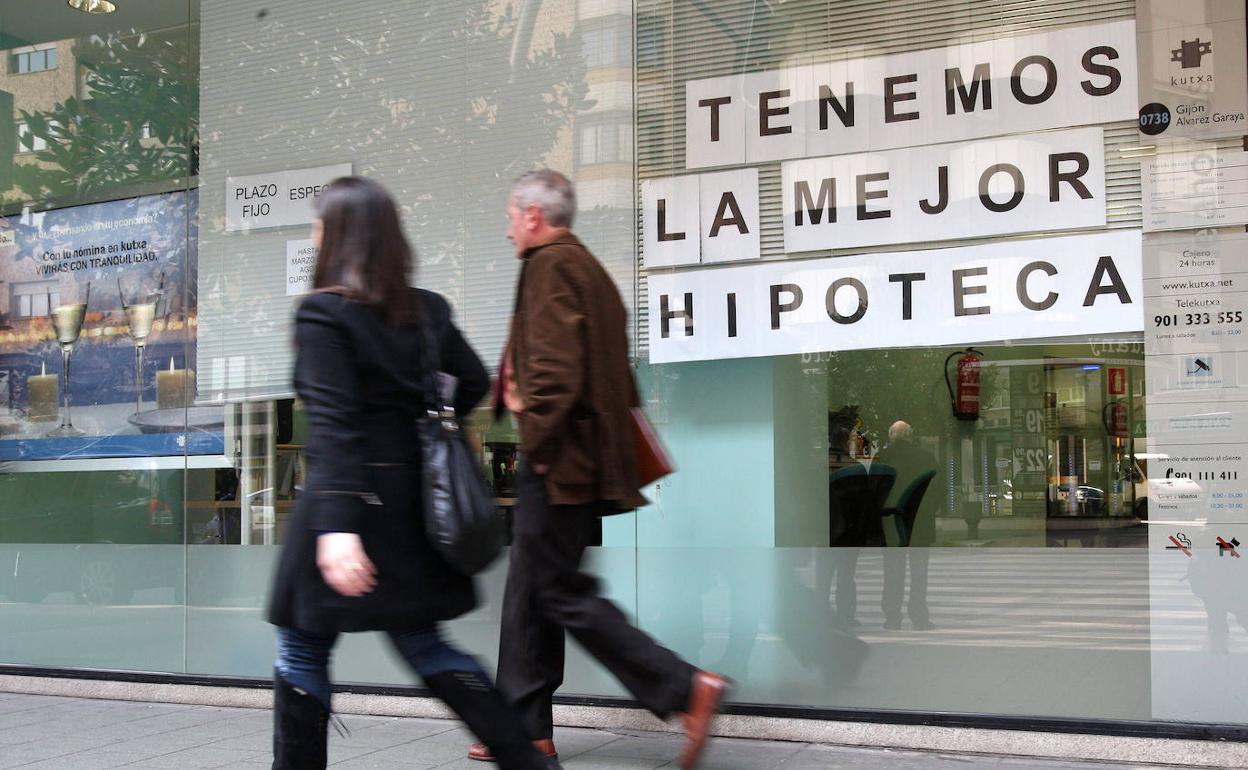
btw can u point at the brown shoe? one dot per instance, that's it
(481, 753)
(705, 696)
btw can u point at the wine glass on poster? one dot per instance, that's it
(140, 315)
(67, 320)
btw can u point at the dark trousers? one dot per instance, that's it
(547, 593)
(895, 583)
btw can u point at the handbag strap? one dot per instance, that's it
(435, 405)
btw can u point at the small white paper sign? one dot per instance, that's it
(300, 264)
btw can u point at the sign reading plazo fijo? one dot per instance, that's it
(277, 199)
(896, 149)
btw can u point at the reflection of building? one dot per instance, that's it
(604, 132)
(37, 78)
(596, 149)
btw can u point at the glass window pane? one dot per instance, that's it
(606, 144)
(626, 142)
(95, 538)
(589, 145)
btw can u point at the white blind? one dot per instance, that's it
(680, 41)
(424, 96)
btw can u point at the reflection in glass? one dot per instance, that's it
(67, 322)
(139, 317)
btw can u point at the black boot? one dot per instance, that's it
(483, 709)
(300, 726)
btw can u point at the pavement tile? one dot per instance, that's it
(84, 760)
(260, 741)
(591, 762)
(427, 752)
(383, 761)
(52, 748)
(739, 754)
(397, 732)
(202, 757)
(633, 745)
(574, 741)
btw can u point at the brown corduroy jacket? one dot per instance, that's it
(569, 352)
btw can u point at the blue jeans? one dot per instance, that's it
(303, 657)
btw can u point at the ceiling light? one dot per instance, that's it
(92, 6)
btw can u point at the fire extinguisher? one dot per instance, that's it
(966, 403)
(1114, 417)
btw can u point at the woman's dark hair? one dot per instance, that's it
(364, 253)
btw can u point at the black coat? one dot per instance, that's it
(362, 385)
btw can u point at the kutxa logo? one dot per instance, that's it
(1191, 53)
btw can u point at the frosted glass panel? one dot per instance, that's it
(93, 606)
(227, 634)
(1013, 631)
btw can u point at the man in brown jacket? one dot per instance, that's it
(566, 377)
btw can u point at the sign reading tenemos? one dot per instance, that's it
(1074, 76)
(1087, 284)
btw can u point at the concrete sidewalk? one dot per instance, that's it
(40, 731)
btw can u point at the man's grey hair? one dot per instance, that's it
(550, 191)
(900, 431)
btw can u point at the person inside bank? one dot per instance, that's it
(911, 510)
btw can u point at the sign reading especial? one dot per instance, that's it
(1081, 284)
(1074, 76)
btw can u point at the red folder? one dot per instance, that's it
(653, 461)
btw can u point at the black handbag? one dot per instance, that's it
(461, 519)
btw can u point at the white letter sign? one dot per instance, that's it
(992, 187)
(1079, 75)
(279, 199)
(1015, 290)
(700, 218)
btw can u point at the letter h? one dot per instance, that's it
(666, 314)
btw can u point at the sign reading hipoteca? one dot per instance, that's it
(1017, 290)
(1080, 75)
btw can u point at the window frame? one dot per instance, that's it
(22, 61)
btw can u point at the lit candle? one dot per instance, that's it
(174, 388)
(42, 396)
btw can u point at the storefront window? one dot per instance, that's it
(935, 306)
(97, 325)
(895, 492)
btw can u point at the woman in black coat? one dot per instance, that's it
(356, 558)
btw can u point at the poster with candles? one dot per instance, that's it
(97, 324)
